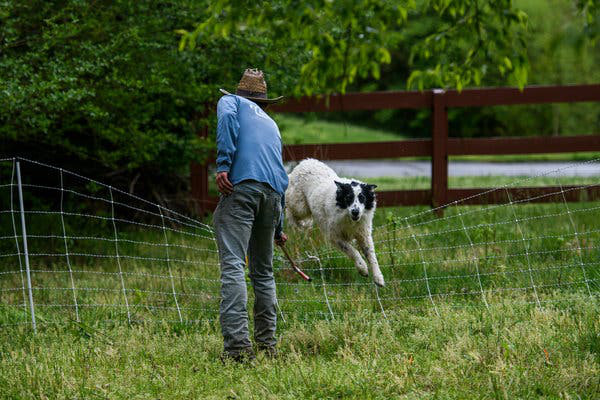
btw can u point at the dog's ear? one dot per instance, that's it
(368, 186)
(339, 184)
(369, 195)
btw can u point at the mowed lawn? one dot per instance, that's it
(299, 130)
(507, 352)
(446, 344)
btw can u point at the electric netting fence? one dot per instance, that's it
(72, 248)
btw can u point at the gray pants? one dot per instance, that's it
(245, 224)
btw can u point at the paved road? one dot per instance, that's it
(374, 168)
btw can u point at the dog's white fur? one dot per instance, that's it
(311, 194)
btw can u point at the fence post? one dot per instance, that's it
(199, 173)
(25, 250)
(439, 154)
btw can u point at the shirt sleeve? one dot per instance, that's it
(228, 128)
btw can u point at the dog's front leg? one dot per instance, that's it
(365, 241)
(354, 255)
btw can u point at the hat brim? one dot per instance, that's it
(256, 99)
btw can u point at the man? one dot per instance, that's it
(252, 182)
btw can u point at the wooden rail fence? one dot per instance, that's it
(440, 146)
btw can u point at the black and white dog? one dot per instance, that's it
(342, 208)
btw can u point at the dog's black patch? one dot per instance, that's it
(354, 183)
(344, 196)
(368, 194)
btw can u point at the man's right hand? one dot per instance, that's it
(280, 241)
(223, 183)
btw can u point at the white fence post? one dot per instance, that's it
(14, 226)
(31, 307)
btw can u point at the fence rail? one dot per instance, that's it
(440, 146)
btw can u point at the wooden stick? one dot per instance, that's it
(294, 266)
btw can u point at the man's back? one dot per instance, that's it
(249, 143)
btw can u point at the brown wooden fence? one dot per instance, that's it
(440, 146)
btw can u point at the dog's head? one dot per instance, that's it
(355, 197)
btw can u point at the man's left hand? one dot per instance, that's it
(280, 241)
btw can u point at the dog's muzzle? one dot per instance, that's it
(355, 215)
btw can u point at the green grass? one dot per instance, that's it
(439, 339)
(505, 353)
(296, 130)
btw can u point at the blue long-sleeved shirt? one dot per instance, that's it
(249, 145)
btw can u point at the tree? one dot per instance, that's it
(458, 42)
(591, 10)
(102, 88)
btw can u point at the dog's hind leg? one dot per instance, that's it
(354, 256)
(290, 218)
(297, 221)
(296, 209)
(365, 241)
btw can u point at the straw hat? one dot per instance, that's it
(253, 87)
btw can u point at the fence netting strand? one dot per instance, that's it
(96, 253)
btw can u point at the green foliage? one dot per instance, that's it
(464, 41)
(101, 86)
(330, 43)
(590, 9)
(458, 42)
(560, 50)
